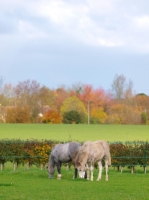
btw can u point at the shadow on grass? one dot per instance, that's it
(6, 184)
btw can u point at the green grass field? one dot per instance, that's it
(33, 184)
(75, 132)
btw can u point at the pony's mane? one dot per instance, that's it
(82, 154)
(51, 164)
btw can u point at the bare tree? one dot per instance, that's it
(121, 87)
(1, 83)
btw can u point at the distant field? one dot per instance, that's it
(75, 132)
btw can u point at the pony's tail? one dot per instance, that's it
(109, 158)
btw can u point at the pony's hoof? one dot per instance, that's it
(59, 176)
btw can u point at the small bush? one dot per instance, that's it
(71, 117)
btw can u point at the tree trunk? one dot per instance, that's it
(144, 169)
(15, 166)
(2, 166)
(28, 165)
(132, 169)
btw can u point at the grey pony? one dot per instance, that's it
(62, 153)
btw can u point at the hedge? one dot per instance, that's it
(35, 152)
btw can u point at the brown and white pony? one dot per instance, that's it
(89, 154)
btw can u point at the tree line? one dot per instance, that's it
(29, 102)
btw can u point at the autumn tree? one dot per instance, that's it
(27, 94)
(73, 103)
(141, 101)
(98, 116)
(46, 97)
(60, 95)
(18, 115)
(3, 100)
(123, 114)
(52, 117)
(93, 99)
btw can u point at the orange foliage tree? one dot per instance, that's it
(96, 97)
(52, 117)
(95, 101)
(124, 114)
(99, 115)
(60, 95)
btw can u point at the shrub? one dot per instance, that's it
(71, 117)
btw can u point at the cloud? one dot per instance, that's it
(142, 22)
(109, 23)
(29, 30)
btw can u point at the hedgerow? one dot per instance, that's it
(35, 152)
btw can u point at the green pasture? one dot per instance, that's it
(79, 132)
(34, 184)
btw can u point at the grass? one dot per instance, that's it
(35, 185)
(63, 132)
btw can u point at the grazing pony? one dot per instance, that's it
(89, 154)
(62, 153)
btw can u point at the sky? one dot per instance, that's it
(66, 42)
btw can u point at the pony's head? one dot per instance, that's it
(51, 167)
(81, 170)
(50, 170)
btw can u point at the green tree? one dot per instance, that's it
(73, 103)
(71, 117)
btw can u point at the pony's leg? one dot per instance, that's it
(100, 170)
(59, 170)
(106, 168)
(75, 173)
(88, 172)
(92, 170)
(85, 174)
